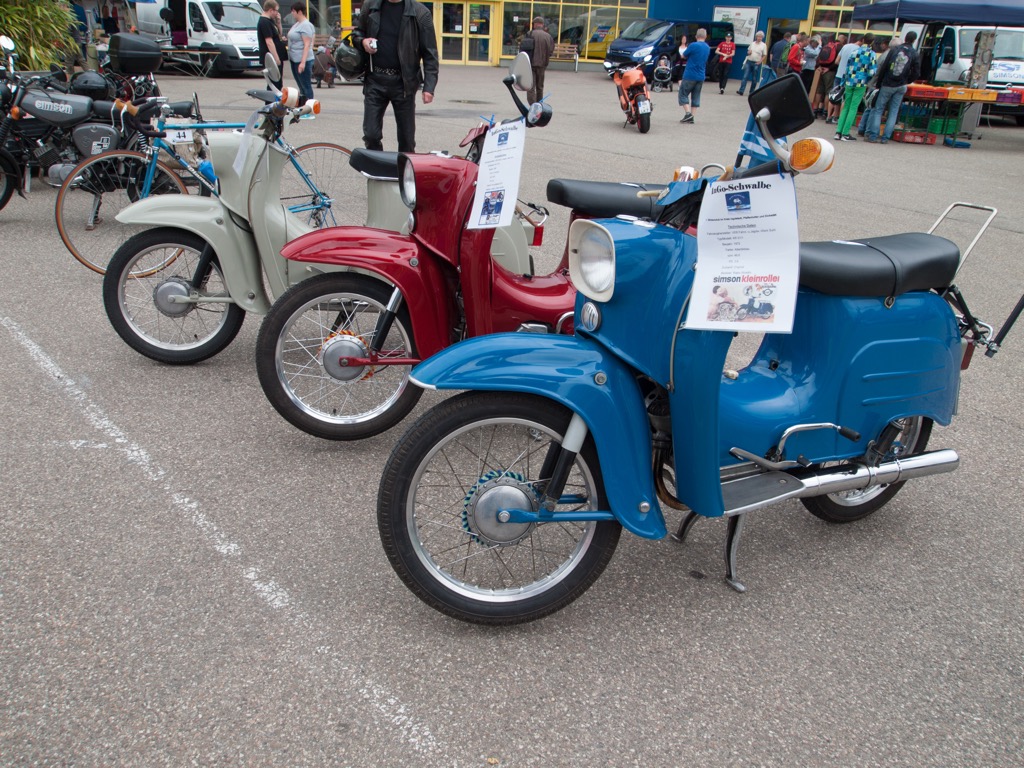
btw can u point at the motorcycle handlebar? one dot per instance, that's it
(763, 169)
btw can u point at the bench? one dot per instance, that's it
(567, 52)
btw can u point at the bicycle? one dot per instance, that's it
(110, 181)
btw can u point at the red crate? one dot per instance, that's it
(920, 91)
(913, 137)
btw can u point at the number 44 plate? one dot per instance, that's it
(178, 135)
(643, 107)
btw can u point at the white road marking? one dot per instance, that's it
(414, 732)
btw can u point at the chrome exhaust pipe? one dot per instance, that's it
(855, 477)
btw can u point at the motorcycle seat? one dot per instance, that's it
(372, 162)
(603, 199)
(181, 108)
(879, 266)
(267, 97)
(103, 108)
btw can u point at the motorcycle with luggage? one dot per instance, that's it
(51, 124)
(335, 352)
(505, 503)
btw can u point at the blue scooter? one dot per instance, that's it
(505, 503)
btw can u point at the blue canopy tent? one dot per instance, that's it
(1003, 13)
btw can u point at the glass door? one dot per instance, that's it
(465, 33)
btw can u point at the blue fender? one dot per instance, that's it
(563, 369)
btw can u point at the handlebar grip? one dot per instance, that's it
(763, 169)
(126, 106)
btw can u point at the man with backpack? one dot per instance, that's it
(900, 67)
(828, 61)
(538, 45)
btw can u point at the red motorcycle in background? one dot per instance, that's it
(634, 98)
(335, 352)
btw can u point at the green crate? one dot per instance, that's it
(944, 125)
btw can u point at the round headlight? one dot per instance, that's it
(408, 188)
(592, 259)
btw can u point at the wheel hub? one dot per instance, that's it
(344, 344)
(490, 494)
(173, 287)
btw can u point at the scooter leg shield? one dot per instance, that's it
(580, 375)
(207, 218)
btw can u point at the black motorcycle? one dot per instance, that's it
(49, 124)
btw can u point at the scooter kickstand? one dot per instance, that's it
(732, 544)
(684, 526)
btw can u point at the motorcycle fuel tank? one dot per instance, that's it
(57, 108)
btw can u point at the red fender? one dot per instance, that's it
(425, 282)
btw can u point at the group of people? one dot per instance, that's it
(397, 37)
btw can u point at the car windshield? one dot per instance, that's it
(645, 30)
(233, 15)
(1009, 43)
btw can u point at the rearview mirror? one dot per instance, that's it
(522, 71)
(273, 71)
(788, 107)
(6, 43)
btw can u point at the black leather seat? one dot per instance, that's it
(604, 199)
(879, 266)
(181, 108)
(103, 108)
(372, 162)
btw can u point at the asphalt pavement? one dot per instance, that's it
(186, 579)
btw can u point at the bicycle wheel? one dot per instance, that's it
(94, 193)
(334, 195)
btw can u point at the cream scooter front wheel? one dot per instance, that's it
(150, 300)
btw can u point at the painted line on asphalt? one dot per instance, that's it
(414, 732)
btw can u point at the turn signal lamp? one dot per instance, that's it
(811, 156)
(17, 113)
(290, 97)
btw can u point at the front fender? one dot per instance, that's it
(210, 220)
(9, 167)
(397, 259)
(567, 369)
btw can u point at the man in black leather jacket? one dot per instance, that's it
(399, 37)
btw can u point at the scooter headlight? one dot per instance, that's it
(592, 259)
(408, 186)
(811, 156)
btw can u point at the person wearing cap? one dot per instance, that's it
(725, 52)
(757, 51)
(540, 57)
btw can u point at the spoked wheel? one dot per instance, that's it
(331, 194)
(303, 352)
(142, 292)
(441, 495)
(98, 189)
(848, 506)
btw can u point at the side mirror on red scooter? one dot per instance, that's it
(520, 77)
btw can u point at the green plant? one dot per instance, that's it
(40, 29)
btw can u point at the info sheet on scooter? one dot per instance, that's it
(497, 184)
(748, 268)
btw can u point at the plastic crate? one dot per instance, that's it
(984, 94)
(919, 91)
(914, 137)
(943, 125)
(1009, 97)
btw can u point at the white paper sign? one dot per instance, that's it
(748, 268)
(497, 183)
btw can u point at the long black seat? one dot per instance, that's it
(372, 162)
(603, 199)
(102, 108)
(879, 266)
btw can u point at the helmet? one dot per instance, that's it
(91, 84)
(349, 60)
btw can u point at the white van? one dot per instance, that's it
(225, 25)
(947, 53)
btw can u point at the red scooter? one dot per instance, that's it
(335, 351)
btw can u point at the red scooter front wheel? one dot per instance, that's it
(305, 353)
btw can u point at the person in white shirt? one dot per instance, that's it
(757, 52)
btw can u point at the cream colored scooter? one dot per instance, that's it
(178, 292)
